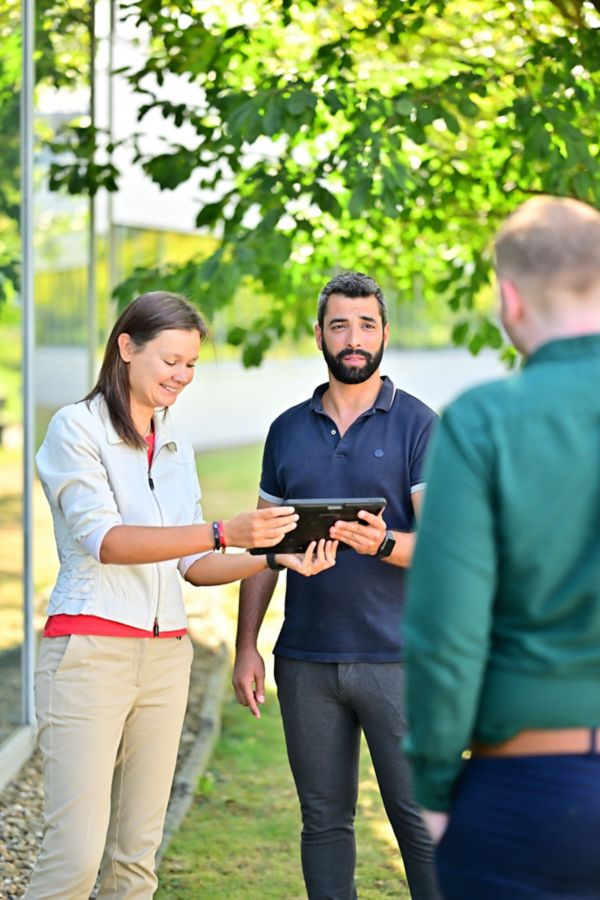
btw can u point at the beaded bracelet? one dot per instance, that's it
(219, 535)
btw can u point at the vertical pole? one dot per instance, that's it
(112, 237)
(27, 305)
(92, 311)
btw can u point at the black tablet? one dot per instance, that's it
(316, 518)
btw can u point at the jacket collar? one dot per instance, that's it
(163, 427)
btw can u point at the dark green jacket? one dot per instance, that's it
(503, 616)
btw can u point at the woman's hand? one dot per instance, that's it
(261, 528)
(365, 536)
(317, 558)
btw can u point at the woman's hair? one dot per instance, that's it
(145, 318)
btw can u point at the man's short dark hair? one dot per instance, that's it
(351, 284)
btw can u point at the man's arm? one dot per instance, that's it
(448, 618)
(367, 538)
(249, 668)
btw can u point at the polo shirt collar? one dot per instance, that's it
(384, 400)
(566, 349)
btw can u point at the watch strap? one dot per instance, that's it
(273, 564)
(386, 546)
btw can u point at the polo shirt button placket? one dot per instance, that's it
(339, 451)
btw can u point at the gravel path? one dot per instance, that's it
(21, 802)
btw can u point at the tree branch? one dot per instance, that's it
(573, 15)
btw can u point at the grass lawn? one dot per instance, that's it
(229, 480)
(241, 837)
(10, 365)
(11, 548)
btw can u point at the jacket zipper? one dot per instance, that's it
(155, 627)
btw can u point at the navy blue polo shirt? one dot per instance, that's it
(352, 612)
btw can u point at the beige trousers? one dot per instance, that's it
(110, 712)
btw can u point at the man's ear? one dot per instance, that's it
(386, 334)
(318, 336)
(126, 347)
(511, 300)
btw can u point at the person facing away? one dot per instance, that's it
(503, 621)
(338, 659)
(113, 669)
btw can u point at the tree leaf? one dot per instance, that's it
(299, 101)
(209, 214)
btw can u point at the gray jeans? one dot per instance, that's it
(324, 707)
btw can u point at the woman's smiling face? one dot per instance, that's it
(160, 370)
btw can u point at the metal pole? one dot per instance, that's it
(92, 310)
(112, 235)
(27, 305)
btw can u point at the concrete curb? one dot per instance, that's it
(186, 779)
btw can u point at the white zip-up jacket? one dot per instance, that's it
(94, 481)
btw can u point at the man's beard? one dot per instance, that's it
(352, 374)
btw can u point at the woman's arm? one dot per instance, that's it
(135, 544)
(219, 568)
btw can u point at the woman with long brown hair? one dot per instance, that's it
(113, 669)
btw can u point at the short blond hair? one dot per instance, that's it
(550, 242)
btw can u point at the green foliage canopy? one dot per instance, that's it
(10, 77)
(389, 137)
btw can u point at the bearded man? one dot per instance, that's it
(339, 657)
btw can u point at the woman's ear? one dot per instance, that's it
(126, 347)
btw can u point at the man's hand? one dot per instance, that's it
(436, 824)
(249, 679)
(317, 558)
(365, 537)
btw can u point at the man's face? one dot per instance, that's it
(353, 338)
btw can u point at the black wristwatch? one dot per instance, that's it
(386, 546)
(273, 564)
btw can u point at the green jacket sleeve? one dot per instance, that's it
(451, 591)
